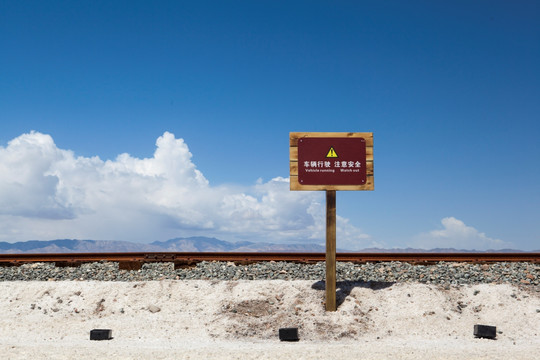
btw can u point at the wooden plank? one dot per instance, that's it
(331, 250)
(294, 136)
(295, 185)
(369, 150)
(293, 154)
(293, 168)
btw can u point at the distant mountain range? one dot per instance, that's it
(190, 244)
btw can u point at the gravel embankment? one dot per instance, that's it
(441, 274)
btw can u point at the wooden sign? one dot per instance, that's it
(331, 161)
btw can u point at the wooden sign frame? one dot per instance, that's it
(293, 160)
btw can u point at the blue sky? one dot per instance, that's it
(200, 97)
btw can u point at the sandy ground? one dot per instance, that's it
(240, 320)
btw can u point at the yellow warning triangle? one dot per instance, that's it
(331, 153)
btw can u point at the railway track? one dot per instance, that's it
(134, 260)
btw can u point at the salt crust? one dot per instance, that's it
(199, 319)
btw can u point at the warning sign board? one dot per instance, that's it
(319, 164)
(331, 161)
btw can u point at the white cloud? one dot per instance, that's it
(26, 187)
(47, 192)
(455, 234)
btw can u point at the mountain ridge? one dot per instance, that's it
(189, 244)
(193, 244)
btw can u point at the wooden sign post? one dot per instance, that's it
(330, 162)
(331, 250)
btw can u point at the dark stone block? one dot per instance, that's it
(101, 334)
(288, 334)
(485, 331)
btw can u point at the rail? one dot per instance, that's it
(134, 260)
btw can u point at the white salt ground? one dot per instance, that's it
(240, 320)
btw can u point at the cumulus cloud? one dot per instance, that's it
(47, 192)
(455, 234)
(26, 187)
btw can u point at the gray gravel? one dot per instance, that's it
(443, 273)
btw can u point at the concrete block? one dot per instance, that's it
(101, 334)
(288, 334)
(485, 331)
